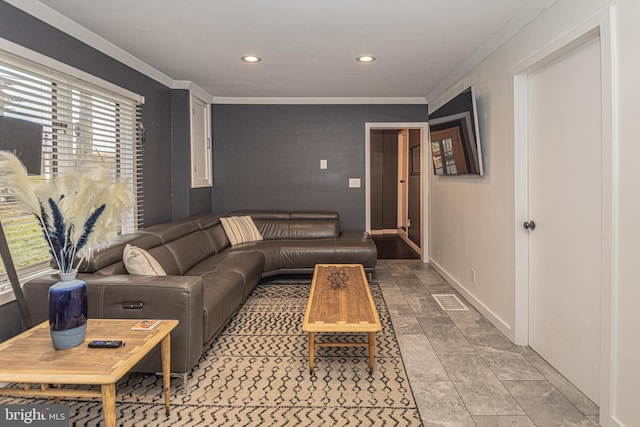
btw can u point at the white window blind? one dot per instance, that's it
(84, 126)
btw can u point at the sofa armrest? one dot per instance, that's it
(124, 296)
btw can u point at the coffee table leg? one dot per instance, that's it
(165, 352)
(372, 347)
(312, 339)
(109, 404)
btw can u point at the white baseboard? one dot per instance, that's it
(615, 423)
(410, 242)
(496, 320)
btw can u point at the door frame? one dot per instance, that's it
(597, 26)
(424, 129)
(403, 178)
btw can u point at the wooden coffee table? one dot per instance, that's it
(30, 358)
(348, 309)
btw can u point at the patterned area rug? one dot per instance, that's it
(256, 373)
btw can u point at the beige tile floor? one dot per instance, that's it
(462, 370)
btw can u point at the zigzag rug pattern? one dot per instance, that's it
(256, 373)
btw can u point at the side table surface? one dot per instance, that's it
(31, 358)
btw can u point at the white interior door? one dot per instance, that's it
(565, 202)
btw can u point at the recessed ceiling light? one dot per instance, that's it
(366, 58)
(251, 58)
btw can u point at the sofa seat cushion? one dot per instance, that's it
(304, 253)
(248, 264)
(270, 250)
(357, 248)
(223, 293)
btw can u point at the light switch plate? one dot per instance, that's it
(323, 164)
(354, 182)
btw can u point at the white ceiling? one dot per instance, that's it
(308, 46)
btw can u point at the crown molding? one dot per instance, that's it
(520, 20)
(318, 100)
(193, 88)
(66, 25)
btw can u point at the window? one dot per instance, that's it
(84, 125)
(201, 170)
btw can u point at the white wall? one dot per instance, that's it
(472, 222)
(626, 355)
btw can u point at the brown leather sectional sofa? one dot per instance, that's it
(207, 279)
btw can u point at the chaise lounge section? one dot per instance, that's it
(207, 278)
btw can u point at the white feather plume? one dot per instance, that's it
(14, 177)
(77, 195)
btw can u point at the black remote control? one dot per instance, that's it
(106, 344)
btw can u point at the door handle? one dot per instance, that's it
(529, 225)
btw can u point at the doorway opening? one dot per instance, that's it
(396, 202)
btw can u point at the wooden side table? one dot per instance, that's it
(30, 358)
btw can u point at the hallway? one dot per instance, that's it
(390, 246)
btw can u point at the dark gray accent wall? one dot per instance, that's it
(268, 156)
(23, 29)
(200, 200)
(180, 152)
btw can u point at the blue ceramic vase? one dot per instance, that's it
(68, 311)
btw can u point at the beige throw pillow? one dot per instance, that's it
(138, 261)
(240, 229)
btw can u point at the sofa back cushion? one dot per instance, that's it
(112, 254)
(179, 245)
(313, 229)
(166, 259)
(294, 224)
(170, 231)
(218, 237)
(191, 249)
(184, 242)
(297, 229)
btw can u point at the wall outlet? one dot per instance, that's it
(473, 276)
(323, 164)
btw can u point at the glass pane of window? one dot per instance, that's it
(83, 127)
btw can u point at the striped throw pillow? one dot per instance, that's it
(138, 261)
(240, 229)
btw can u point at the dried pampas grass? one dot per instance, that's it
(77, 211)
